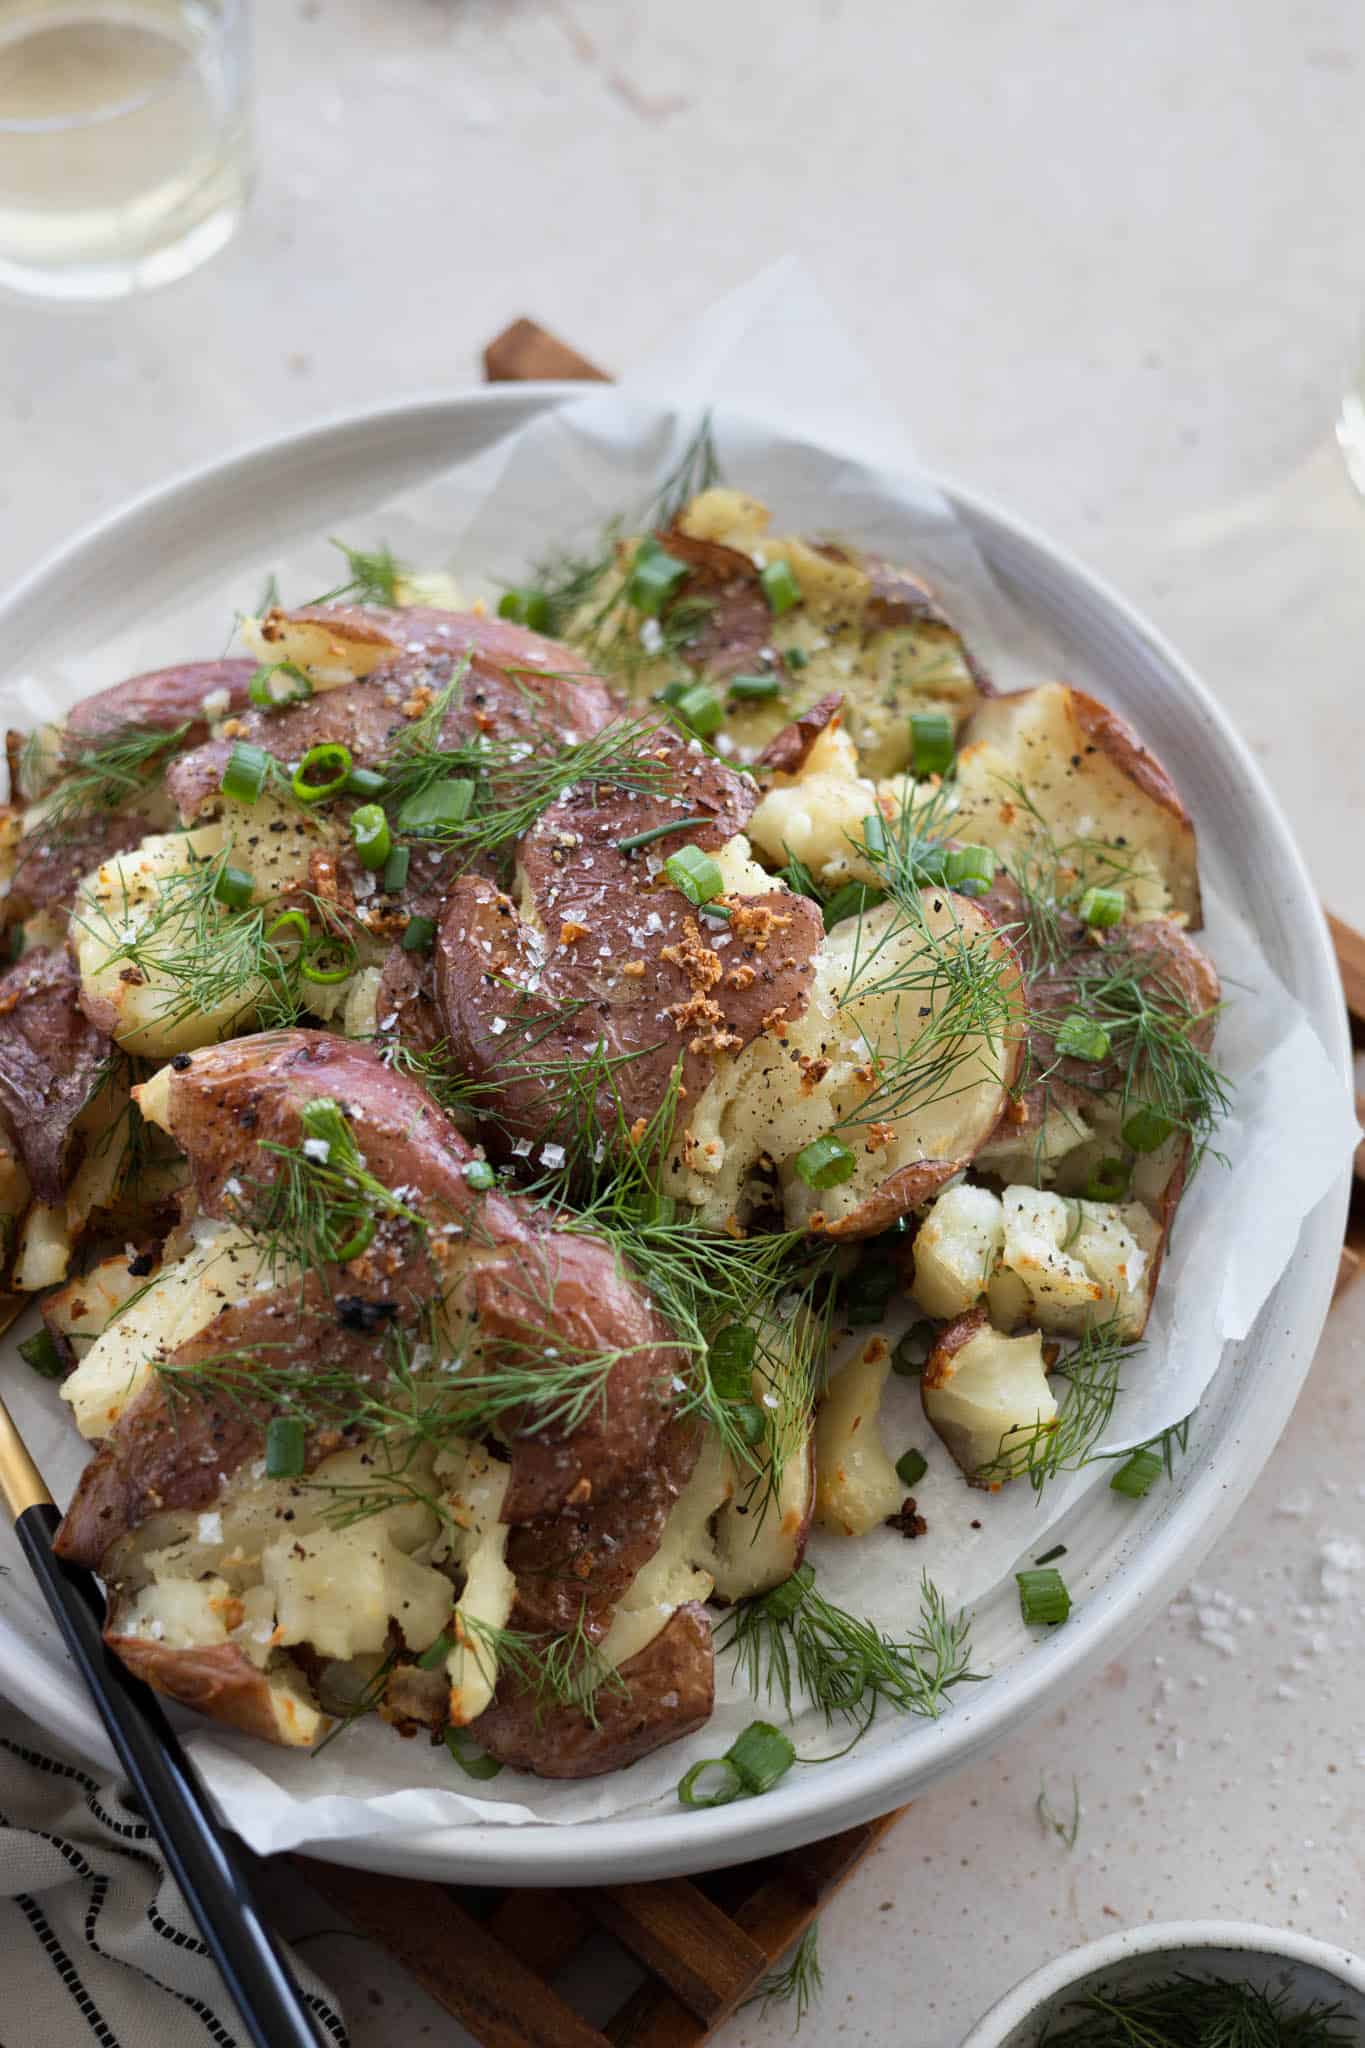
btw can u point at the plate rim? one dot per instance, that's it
(654, 1845)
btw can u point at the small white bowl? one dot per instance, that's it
(1267, 1957)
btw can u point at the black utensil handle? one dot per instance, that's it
(198, 1853)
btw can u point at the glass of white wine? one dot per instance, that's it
(125, 141)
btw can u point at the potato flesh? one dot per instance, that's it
(956, 1250)
(856, 1484)
(681, 1569)
(473, 1486)
(222, 1265)
(82, 1309)
(328, 655)
(1029, 741)
(126, 902)
(991, 1399)
(1059, 1262)
(338, 1589)
(765, 1104)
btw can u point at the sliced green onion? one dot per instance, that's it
(418, 934)
(654, 576)
(731, 1786)
(1108, 1181)
(868, 1290)
(730, 1361)
(360, 1240)
(473, 1761)
(370, 832)
(825, 1163)
(270, 695)
(746, 687)
(438, 805)
(234, 887)
(324, 1117)
(780, 587)
(526, 607)
(328, 960)
(671, 692)
(700, 708)
(1146, 1128)
(322, 773)
(245, 772)
(1099, 908)
(969, 869)
(910, 1352)
(1057, 1550)
(638, 839)
(1043, 1598)
(285, 1441)
(717, 910)
(40, 1351)
(911, 1467)
(762, 1755)
(931, 742)
(396, 870)
(874, 834)
(796, 658)
(479, 1175)
(1075, 1226)
(749, 1420)
(294, 923)
(1137, 1475)
(694, 874)
(851, 901)
(435, 1657)
(1080, 1038)
(787, 1596)
(366, 782)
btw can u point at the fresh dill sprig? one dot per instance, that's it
(366, 1702)
(1066, 1831)
(1042, 1451)
(433, 1068)
(320, 1200)
(566, 1670)
(1185, 2011)
(1051, 875)
(794, 1640)
(514, 780)
(373, 578)
(797, 1984)
(116, 769)
(199, 950)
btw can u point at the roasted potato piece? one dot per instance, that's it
(885, 1056)
(1055, 764)
(51, 1056)
(191, 693)
(856, 1484)
(574, 1006)
(216, 1678)
(668, 1690)
(336, 644)
(859, 626)
(956, 1250)
(986, 1395)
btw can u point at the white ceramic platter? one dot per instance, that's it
(203, 533)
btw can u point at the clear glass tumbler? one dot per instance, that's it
(125, 141)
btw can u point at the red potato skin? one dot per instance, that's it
(51, 868)
(788, 751)
(217, 1680)
(573, 1567)
(50, 1057)
(535, 1291)
(519, 686)
(670, 1691)
(610, 955)
(164, 697)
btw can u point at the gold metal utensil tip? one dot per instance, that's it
(20, 1480)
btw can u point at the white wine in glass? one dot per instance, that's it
(125, 141)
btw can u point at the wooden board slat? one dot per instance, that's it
(701, 1953)
(542, 1928)
(456, 1959)
(1349, 946)
(527, 353)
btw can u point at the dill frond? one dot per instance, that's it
(1045, 1450)
(565, 1670)
(117, 769)
(373, 577)
(798, 1984)
(794, 1640)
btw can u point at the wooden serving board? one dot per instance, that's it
(705, 1944)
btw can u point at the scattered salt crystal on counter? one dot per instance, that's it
(1294, 1505)
(1338, 1560)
